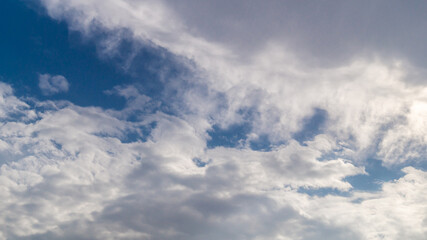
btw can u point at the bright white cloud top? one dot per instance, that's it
(72, 172)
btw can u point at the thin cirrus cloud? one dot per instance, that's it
(147, 171)
(50, 85)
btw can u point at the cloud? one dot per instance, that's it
(58, 183)
(12, 106)
(50, 85)
(274, 85)
(71, 168)
(400, 202)
(324, 33)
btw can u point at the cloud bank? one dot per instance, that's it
(72, 172)
(367, 99)
(58, 183)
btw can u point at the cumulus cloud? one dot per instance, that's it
(57, 174)
(50, 85)
(57, 184)
(366, 98)
(57, 177)
(401, 201)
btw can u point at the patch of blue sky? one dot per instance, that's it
(142, 134)
(236, 135)
(262, 143)
(420, 164)
(231, 136)
(200, 163)
(152, 69)
(36, 44)
(377, 174)
(312, 126)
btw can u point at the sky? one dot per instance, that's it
(241, 120)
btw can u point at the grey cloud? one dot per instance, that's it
(169, 217)
(60, 187)
(157, 192)
(322, 32)
(50, 85)
(361, 97)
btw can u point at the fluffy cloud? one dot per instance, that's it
(50, 85)
(397, 212)
(367, 99)
(72, 173)
(62, 179)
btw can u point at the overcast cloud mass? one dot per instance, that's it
(277, 120)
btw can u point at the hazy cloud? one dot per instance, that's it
(50, 85)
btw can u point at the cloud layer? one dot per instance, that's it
(367, 99)
(59, 183)
(147, 172)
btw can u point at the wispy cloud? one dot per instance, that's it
(72, 172)
(366, 97)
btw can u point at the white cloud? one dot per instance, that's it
(66, 180)
(396, 212)
(293, 166)
(11, 105)
(50, 85)
(363, 97)
(61, 175)
(60, 168)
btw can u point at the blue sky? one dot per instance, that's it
(36, 44)
(141, 119)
